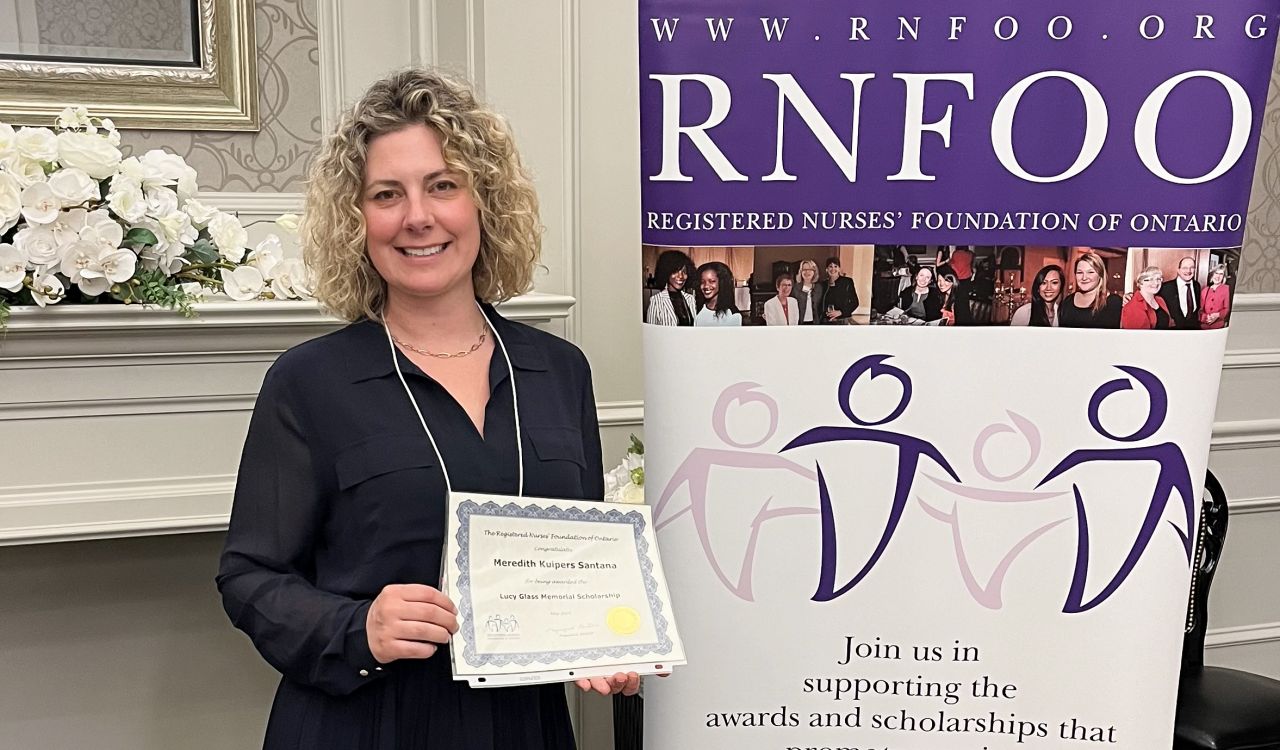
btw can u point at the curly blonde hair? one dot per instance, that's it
(477, 145)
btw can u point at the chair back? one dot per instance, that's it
(1210, 537)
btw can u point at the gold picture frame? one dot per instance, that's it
(220, 94)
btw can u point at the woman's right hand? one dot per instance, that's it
(409, 621)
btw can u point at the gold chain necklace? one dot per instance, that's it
(484, 332)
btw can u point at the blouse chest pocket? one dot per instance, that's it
(389, 490)
(378, 456)
(561, 461)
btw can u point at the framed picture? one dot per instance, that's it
(158, 64)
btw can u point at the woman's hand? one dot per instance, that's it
(409, 621)
(627, 684)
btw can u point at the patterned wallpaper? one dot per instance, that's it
(1260, 263)
(274, 159)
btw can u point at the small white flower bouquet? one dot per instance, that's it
(80, 223)
(625, 484)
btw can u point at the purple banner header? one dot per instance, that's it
(1091, 122)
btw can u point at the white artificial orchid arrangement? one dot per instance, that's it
(80, 223)
(625, 484)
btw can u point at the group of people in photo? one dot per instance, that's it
(936, 297)
(704, 295)
(1155, 303)
(1078, 293)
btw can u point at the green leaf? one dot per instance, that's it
(637, 446)
(140, 236)
(203, 252)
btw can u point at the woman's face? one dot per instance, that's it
(1150, 286)
(1051, 287)
(422, 228)
(944, 284)
(784, 288)
(1087, 278)
(710, 285)
(808, 274)
(1218, 277)
(833, 271)
(675, 282)
(924, 277)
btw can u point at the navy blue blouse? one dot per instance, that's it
(339, 494)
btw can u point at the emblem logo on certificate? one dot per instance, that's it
(554, 590)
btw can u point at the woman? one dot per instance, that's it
(921, 300)
(672, 305)
(839, 295)
(1091, 305)
(1146, 310)
(1046, 291)
(808, 293)
(955, 304)
(419, 215)
(1215, 299)
(715, 296)
(782, 309)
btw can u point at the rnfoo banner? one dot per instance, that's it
(923, 474)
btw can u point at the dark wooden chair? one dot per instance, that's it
(1219, 708)
(628, 722)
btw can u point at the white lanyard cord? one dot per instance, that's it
(515, 407)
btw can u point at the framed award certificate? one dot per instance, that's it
(555, 590)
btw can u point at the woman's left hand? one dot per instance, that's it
(626, 683)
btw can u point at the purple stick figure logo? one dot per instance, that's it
(1174, 477)
(910, 450)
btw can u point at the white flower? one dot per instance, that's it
(164, 254)
(88, 151)
(74, 187)
(145, 175)
(6, 141)
(77, 257)
(102, 231)
(177, 228)
(39, 244)
(36, 144)
(110, 267)
(200, 213)
(194, 288)
(243, 284)
(288, 222)
(126, 198)
(267, 255)
(67, 228)
(229, 235)
(39, 204)
(174, 170)
(293, 280)
(27, 172)
(46, 289)
(161, 201)
(73, 117)
(13, 267)
(620, 485)
(10, 201)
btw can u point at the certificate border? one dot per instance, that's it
(469, 508)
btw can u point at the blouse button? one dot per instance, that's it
(364, 673)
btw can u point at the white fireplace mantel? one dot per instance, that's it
(119, 421)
